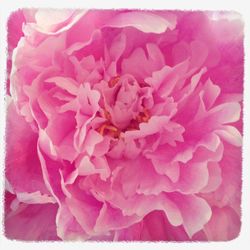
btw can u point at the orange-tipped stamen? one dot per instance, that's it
(143, 116)
(111, 128)
(102, 128)
(146, 116)
(113, 81)
(108, 129)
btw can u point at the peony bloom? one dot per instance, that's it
(124, 125)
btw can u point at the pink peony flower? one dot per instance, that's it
(124, 125)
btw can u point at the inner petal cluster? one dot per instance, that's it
(123, 107)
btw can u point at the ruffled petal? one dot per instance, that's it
(23, 169)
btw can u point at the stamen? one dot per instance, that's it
(146, 116)
(102, 128)
(106, 128)
(107, 114)
(111, 128)
(113, 81)
(115, 134)
(143, 116)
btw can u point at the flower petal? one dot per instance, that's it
(20, 226)
(144, 21)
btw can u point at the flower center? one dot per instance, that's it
(108, 127)
(113, 81)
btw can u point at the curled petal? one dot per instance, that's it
(144, 21)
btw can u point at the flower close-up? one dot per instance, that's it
(123, 125)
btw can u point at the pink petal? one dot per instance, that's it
(85, 212)
(193, 178)
(65, 83)
(228, 193)
(112, 219)
(142, 205)
(142, 180)
(154, 125)
(214, 179)
(140, 65)
(213, 119)
(56, 131)
(132, 233)
(144, 21)
(92, 139)
(166, 78)
(67, 226)
(194, 210)
(51, 22)
(86, 167)
(210, 94)
(20, 226)
(172, 170)
(230, 134)
(22, 161)
(199, 53)
(117, 47)
(224, 224)
(154, 227)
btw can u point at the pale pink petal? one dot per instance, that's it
(52, 22)
(193, 178)
(67, 226)
(230, 134)
(210, 94)
(154, 125)
(92, 139)
(67, 84)
(144, 21)
(141, 206)
(85, 211)
(214, 179)
(113, 219)
(195, 212)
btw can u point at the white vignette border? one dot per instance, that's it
(241, 6)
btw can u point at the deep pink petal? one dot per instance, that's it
(20, 226)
